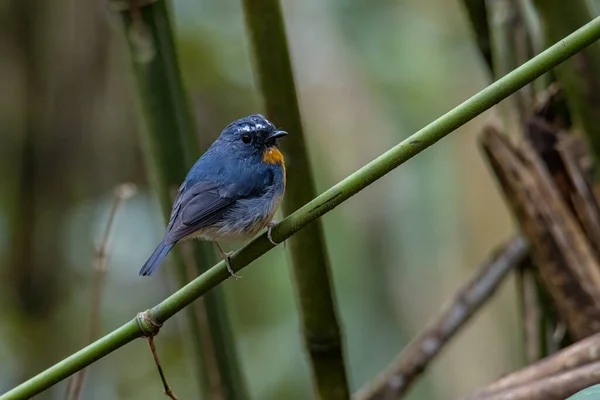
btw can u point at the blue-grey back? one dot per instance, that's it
(249, 173)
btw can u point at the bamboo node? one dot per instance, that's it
(147, 325)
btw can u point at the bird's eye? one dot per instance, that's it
(246, 138)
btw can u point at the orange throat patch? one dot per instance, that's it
(273, 156)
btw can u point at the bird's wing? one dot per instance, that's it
(176, 205)
(199, 206)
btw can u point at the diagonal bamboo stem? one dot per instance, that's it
(320, 327)
(318, 207)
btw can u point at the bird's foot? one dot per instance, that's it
(228, 264)
(270, 225)
(226, 256)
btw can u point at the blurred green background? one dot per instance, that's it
(368, 75)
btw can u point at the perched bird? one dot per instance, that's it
(231, 193)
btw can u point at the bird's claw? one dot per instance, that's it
(231, 271)
(225, 257)
(270, 226)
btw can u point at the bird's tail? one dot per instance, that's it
(156, 258)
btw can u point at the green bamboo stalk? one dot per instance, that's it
(321, 205)
(171, 148)
(580, 77)
(320, 327)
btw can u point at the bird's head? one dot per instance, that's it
(251, 135)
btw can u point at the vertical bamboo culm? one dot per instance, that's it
(171, 148)
(308, 252)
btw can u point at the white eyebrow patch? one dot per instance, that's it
(252, 128)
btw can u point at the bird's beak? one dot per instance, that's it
(277, 134)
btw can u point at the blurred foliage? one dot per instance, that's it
(368, 75)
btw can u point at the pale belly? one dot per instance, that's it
(240, 224)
